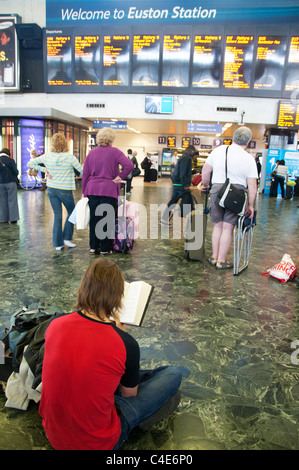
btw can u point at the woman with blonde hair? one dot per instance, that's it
(60, 165)
(101, 184)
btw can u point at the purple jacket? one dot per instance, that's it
(100, 168)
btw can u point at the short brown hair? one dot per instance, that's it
(59, 143)
(101, 289)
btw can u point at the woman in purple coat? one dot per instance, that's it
(101, 184)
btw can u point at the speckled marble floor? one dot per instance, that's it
(234, 333)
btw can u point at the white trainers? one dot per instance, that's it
(58, 248)
(69, 243)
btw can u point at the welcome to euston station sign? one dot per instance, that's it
(95, 12)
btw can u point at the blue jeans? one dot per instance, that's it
(155, 388)
(57, 197)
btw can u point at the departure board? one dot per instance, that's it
(292, 74)
(206, 61)
(238, 62)
(59, 61)
(288, 114)
(233, 61)
(87, 60)
(270, 58)
(116, 60)
(145, 66)
(176, 60)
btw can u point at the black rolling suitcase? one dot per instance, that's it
(153, 175)
(196, 228)
(289, 191)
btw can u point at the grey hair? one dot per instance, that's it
(105, 136)
(242, 135)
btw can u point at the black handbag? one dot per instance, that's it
(136, 171)
(232, 198)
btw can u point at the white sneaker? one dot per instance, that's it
(58, 248)
(69, 243)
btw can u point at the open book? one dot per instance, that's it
(135, 302)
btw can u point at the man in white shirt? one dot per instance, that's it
(242, 172)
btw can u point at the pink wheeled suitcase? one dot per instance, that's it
(124, 226)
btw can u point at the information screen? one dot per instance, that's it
(270, 60)
(146, 52)
(87, 60)
(288, 114)
(59, 60)
(176, 60)
(292, 75)
(238, 62)
(206, 61)
(116, 60)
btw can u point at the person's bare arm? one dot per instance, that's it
(206, 175)
(252, 189)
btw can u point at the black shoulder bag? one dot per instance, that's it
(230, 197)
(9, 169)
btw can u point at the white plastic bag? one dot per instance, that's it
(283, 271)
(81, 214)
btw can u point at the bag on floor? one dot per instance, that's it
(195, 234)
(283, 271)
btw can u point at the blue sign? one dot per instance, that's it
(32, 138)
(99, 124)
(162, 140)
(119, 12)
(204, 128)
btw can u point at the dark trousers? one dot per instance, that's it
(104, 242)
(278, 180)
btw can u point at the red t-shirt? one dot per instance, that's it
(84, 362)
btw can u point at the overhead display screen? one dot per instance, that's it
(146, 55)
(206, 61)
(292, 74)
(176, 60)
(116, 60)
(258, 63)
(288, 115)
(238, 62)
(159, 104)
(87, 60)
(270, 58)
(59, 60)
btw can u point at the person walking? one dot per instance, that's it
(9, 209)
(101, 184)
(181, 181)
(242, 172)
(60, 166)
